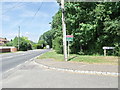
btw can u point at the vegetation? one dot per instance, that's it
(80, 58)
(52, 55)
(46, 38)
(93, 25)
(24, 45)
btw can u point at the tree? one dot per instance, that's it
(24, 45)
(46, 38)
(93, 25)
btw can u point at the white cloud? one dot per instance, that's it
(12, 35)
(0, 34)
(9, 35)
(27, 33)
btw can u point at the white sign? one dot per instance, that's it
(47, 46)
(108, 47)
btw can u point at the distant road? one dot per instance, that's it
(11, 60)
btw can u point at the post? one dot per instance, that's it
(18, 37)
(104, 52)
(64, 31)
(68, 49)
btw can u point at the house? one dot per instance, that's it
(3, 41)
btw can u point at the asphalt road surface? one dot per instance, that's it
(11, 60)
(32, 75)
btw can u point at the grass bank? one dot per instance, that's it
(81, 58)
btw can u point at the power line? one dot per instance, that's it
(22, 5)
(37, 10)
(11, 7)
(35, 13)
(16, 6)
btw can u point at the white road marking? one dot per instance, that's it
(13, 56)
(21, 64)
(25, 53)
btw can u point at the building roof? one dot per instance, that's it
(4, 47)
(3, 39)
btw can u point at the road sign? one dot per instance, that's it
(108, 47)
(69, 37)
(105, 50)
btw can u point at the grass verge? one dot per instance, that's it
(81, 58)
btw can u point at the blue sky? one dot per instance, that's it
(21, 14)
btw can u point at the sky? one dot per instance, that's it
(24, 14)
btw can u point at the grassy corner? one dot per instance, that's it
(97, 59)
(52, 55)
(81, 58)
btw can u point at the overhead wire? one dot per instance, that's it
(10, 7)
(37, 10)
(16, 6)
(34, 15)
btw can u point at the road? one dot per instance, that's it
(33, 75)
(11, 60)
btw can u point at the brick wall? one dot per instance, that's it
(5, 50)
(13, 49)
(8, 49)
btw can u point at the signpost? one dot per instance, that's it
(69, 38)
(105, 48)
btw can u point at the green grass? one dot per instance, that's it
(5, 52)
(52, 55)
(81, 58)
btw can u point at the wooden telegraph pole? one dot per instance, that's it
(18, 37)
(64, 31)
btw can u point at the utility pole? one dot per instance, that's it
(64, 31)
(68, 48)
(18, 37)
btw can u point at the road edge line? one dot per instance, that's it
(10, 71)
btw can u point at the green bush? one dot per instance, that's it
(81, 53)
(23, 46)
(117, 49)
(38, 46)
(57, 45)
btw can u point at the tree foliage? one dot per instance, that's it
(24, 45)
(93, 25)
